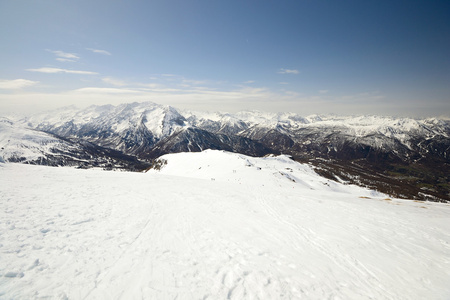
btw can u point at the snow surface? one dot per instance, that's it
(214, 225)
(17, 142)
(161, 121)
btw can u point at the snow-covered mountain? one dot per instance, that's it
(412, 156)
(131, 128)
(214, 225)
(32, 146)
(135, 128)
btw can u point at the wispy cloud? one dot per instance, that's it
(65, 56)
(58, 70)
(16, 84)
(191, 82)
(99, 51)
(168, 75)
(194, 99)
(362, 97)
(287, 71)
(113, 81)
(166, 82)
(323, 91)
(151, 86)
(291, 93)
(249, 81)
(65, 59)
(97, 90)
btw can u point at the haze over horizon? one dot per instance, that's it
(306, 57)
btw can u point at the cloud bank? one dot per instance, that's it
(16, 84)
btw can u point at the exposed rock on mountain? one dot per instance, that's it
(405, 157)
(195, 140)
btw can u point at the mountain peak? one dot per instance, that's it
(375, 144)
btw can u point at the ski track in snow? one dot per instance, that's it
(248, 234)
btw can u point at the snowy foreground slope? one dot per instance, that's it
(214, 225)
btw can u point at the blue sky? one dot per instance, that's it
(304, 56)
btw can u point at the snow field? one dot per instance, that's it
(249, 234)
(271, 171)
(19, 142)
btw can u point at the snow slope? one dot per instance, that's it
(25, 144)
(118, 122)
(214, 225)
(269, 172)
(68, 121)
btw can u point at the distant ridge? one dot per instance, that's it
(404, 157)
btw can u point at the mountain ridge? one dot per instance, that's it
(366, 150)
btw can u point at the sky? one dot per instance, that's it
(345, 57)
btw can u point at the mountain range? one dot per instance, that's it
(402, 157)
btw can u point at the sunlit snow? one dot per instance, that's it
(214, 225)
